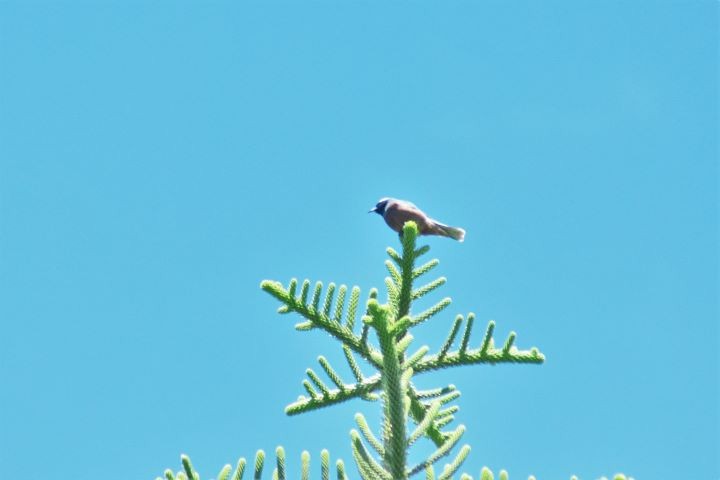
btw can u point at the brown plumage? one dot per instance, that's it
(396, 212)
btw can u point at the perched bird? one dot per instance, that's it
(397, 212)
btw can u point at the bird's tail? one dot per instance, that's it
(452, 232)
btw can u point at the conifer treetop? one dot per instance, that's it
(340, 323)
(393, 364)
(380, 337)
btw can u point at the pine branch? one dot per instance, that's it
(225, 472)
(331, 373)
(443, 450)
(466, 333)
(418, 412)
(415, 357)
(320, 319)
(369, 435)
(425, 289)
(422, 250)
(340, 466)
(259, 464)
(430, 312)
(318, 383)
(369, 468)
(450, 338)
(449, 469)
(453, 466)
(280, 463)
(328, 299)
(353, 364)
(447, 412)
(352, 308)
(443, 422)
(340, 304)
(435, 392)
(362, 390)
(392, 269)
(393, 295)
(305, 466)
(325, 465)
(239, 470)
(429, 473)
(422, 427)
(278, 473)
(189, 470)
(485, 354)
(425, 268)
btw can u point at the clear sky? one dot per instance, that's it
(159, 159)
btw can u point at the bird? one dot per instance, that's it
(396, 212)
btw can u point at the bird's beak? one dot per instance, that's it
(373, 210)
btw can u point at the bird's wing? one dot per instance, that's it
(404, 211)
(409, 209)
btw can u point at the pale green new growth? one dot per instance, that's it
(409, 415)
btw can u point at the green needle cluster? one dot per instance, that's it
(381, 341)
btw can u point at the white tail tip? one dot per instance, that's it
(453, 232)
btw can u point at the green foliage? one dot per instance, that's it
(227, 472)
(409, 414)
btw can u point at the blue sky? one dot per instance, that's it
(159, 159)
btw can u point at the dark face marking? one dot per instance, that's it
(380, 207)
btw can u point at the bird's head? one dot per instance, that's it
(380, 206)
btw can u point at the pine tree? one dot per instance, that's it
(409, 414)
